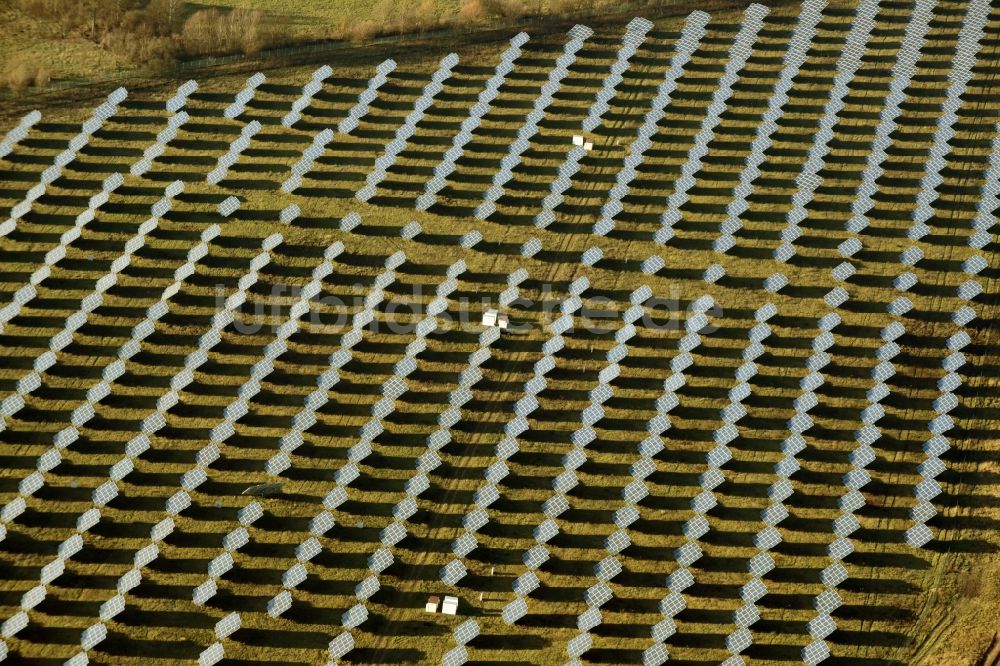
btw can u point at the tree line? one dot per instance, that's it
(149, 34)
(155, 34)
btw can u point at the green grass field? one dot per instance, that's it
(900, 604)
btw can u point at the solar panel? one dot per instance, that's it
(718, 456)
(843, 271)
(545, 531)
(672, 604)
(220, 565)
(836, 297)
(655, 655)
(827, 601)
(48, 460)
(845, 525)
(775, 283)
(486, 495)
(201, 594)
(900, 306)
(514, 611)
(714, 273)
(931, 468)
(52, 571)
(335, 498)
(753, 591)
(969, 290)
(525, 584)
(856, 478)
(696, 527)
(911, 255)
(146, 555)
(833, 575)
(579, 644)
(761, 564)
(774, 514)
(535, 556)
(340, 646)
(466, 632)
(927, 490)
(918, 536)
(800, 423)
(862, 456)
(112, 607)
(821, 626)
(105, 493)
(354, 616)
(840, 548)
(589, 619)
(806, 401)
(92, 636)
(963, 315)
(308, 549)
(531, 247)
(598, 594)
(591, 256)
(872, 413)
(739, 640)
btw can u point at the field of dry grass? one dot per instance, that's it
(29, 40)
(936, 605)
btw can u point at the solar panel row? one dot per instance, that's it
(517, 148)
(738, 54)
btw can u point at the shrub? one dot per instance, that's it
(362, 31)
(23, 73)
(19, 75)
(211, 32)
(42, 77)
(472, 11)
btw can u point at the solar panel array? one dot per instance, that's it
(698, 525)
(19, 133)
(927, 489)
(85, 411)
(180, 98)
(769, 536)
(296, 574)
(366, 97)
(634, 36)
(489, 492)
(566, 481)
(798, 45)
(753, 19)
(28, 292)
(245, 96)
(634, 492)
(419, 482)
(477, 112)
(409, 127)
(32, 381)
(309, 90)
(139, 444)
(93, 124)
(578, 34)
(816, 441)
(320, 141)
(327, 381)
(688, 42)
(155, 150)
(232, 156)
